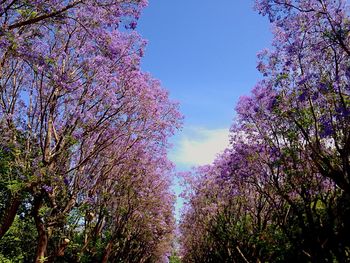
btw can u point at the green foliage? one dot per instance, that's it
(18, 243)
(174, 258)
(27, 13)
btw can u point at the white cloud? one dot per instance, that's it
(199, 146)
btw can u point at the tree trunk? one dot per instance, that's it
(9, 215)
(42, 234)
(41, 248)
(107, 252)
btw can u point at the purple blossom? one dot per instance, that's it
(133, 25)
(315, 96)
(66, 181)
(326, 127)
(347, 73)
(47, 188)
(323, 87)
(6, 149)
(342, 111)
(303, 96)
(302, 81)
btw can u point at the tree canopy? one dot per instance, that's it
(84, 172)
(280, 192)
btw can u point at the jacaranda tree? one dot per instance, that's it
(83, 132)
(281, 191)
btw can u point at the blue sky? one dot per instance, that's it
(204, 53)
